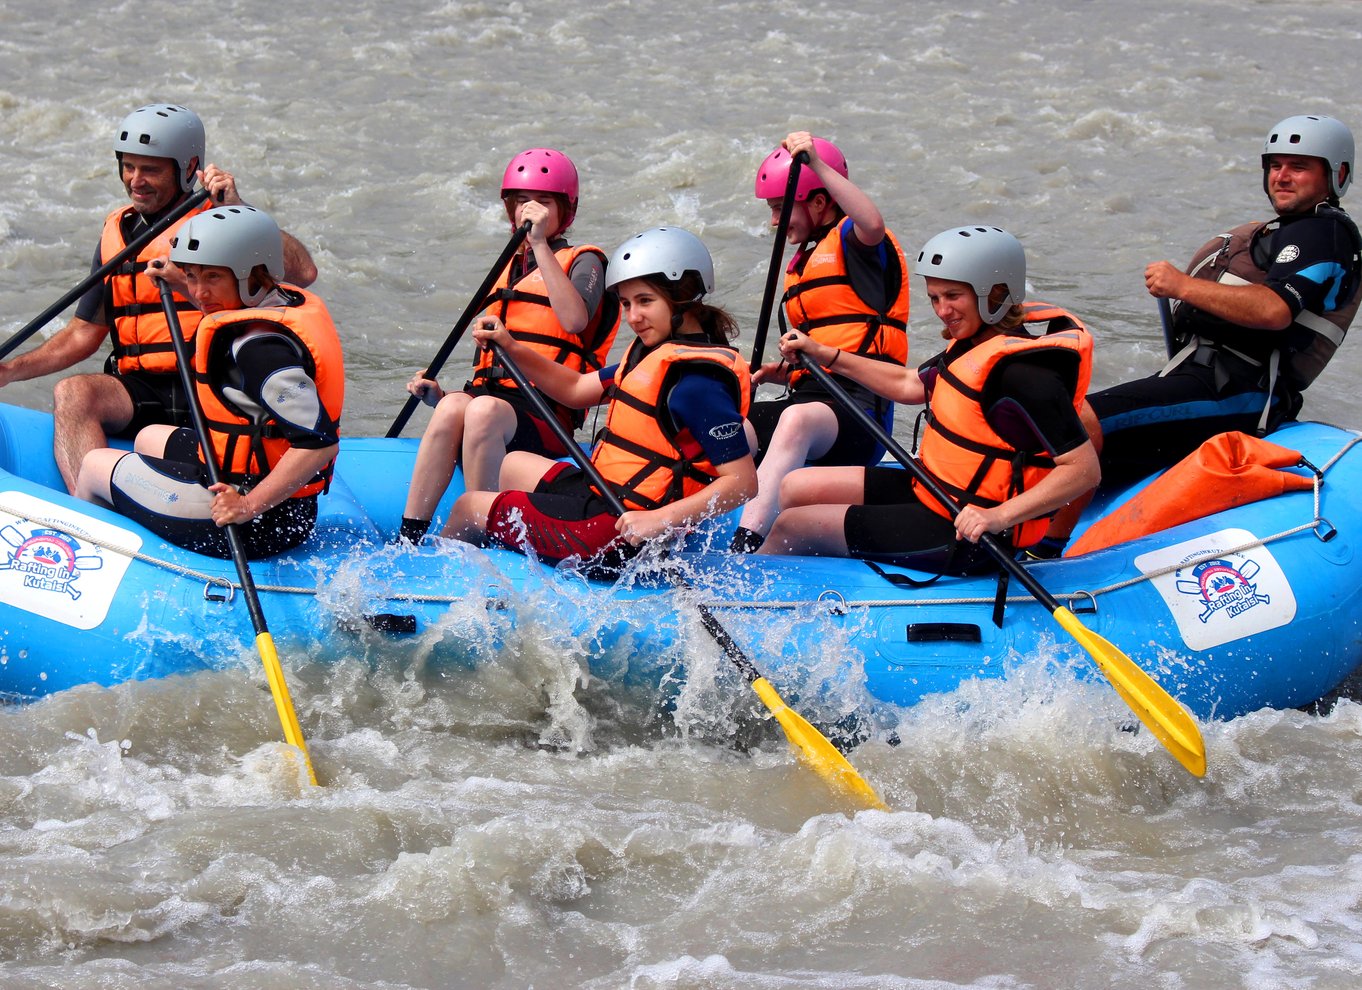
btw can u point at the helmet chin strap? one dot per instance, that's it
(679, 313)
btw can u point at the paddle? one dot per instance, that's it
(811, 744)
(456, 333)
(777, 255)
(1154, 706)
(103, 271)
(264, 642)
(1166, 319)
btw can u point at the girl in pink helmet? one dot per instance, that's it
(552, 298)
(847, 288)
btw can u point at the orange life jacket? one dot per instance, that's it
(247, 450)
(971, 461)
(525, 310)
(139, 332)
(645, 458)
(820, 300)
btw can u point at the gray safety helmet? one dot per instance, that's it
(1314, 136)
(162, 130)
(235, 237)
(981, 257)
(666, 251)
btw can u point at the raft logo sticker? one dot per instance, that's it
(1219, 584)
(1219, 597)
(48, 559)
(51, 566)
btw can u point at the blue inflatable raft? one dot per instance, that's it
(1248, 608)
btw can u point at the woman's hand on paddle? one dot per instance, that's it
(792, 343)
(798, 141)
(229, 505)
(490, 330)
(638, 526)
(428, 390)
(537, 214)
(170, 273)
(973, 522)
(772, 371)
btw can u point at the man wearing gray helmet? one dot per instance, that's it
(160, 152)
(1255, 318)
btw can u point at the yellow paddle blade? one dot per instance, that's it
(1155, 707)
(283, 703)
(815, 750)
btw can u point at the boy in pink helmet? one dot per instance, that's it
(551, 297)
(846, 287)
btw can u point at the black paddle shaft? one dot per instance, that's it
(990, 542)
(731, 649)
(777, 255)
(559, 430)
(456, 332)
(103, 271)
(184, 365)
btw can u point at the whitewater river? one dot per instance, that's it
(524, 825)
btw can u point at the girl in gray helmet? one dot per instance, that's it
(1002, 431)
(674, 450)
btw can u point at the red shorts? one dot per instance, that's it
(561, 518)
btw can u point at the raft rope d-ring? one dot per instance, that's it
(835, 600)
(209, 595)
(1090, 597)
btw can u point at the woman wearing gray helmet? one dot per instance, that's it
(271, 383)
(1002, 432)
(674, 450)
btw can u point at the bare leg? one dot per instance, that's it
(151, 440)
(86, 408)
(95, 478)
(468, 517)
(819, 530)
(804, 431)
(436, 456)
(489, 425)
(813, 508)
(823, 486)
(521, 471)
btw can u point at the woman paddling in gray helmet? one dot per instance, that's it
(1002, 431)
(271, 383)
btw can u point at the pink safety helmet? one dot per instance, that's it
(775, 171)
(543, 170)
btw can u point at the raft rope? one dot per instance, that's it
(1322, 528)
